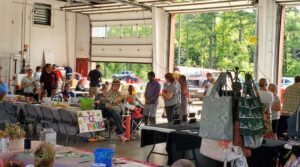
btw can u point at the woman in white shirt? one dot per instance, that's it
(28, 85)
(267, 99)
(276, 107)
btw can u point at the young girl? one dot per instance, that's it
(275, 109)
(132, 99)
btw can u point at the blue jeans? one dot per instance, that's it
(170, 112)
(118, 121)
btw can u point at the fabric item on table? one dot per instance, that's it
(291, 98)
(267, 154)
(150, 137)
(178, 146)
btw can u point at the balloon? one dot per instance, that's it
(253, 40)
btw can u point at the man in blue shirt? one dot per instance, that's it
(3, 89)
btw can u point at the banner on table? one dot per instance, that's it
(90, 121)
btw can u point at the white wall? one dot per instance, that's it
(83, 36)
(60, 38)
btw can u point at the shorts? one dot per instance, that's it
(150, 110)
(93, 91)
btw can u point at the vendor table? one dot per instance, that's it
(181, 140)
(68, 156)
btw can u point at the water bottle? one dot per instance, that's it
(48, 135)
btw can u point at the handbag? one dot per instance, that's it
(216, 117)
(234, 154)
(250, 110)
(214, 149)
(253, 141)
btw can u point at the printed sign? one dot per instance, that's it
(90, 121)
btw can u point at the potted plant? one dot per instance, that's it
(16, 136)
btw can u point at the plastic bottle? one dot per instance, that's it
(48, 135)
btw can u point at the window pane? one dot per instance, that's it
(145, 30)
(114, 31)
(42, 14)
(98, 32)
(126, 31)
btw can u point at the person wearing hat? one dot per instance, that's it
(114, 100)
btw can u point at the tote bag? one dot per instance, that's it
(250, 110)
(216, 117)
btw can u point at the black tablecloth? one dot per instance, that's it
(150, 137)
(267, 154)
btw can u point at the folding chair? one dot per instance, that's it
(31, 115)
(11, 110)
(4, 115)
(136, 120)
(56, 120)
(68, 123)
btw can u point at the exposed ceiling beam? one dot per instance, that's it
(114, 11)
(133, 4)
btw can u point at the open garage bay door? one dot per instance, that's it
(288, 2)
(119, 37)
(122, 29)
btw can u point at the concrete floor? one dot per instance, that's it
(131, 149)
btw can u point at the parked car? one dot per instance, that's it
(194, 86)
(286, 81)
(123, 75)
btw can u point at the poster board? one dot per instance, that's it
(49, 57)
(90, 121)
